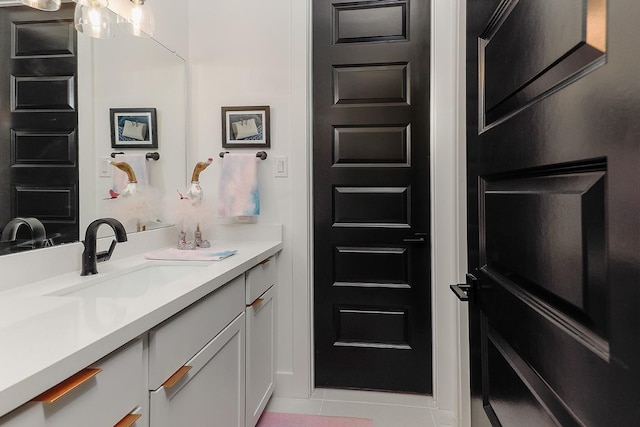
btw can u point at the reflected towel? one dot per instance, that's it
(140, 166)
(238, 195)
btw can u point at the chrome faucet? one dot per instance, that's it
(38, 234)
(90, 258)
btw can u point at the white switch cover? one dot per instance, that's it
(104, 167)
(280, 166)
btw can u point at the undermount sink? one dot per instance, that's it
(132, 283)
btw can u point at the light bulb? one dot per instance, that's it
(139, 21)
(93, 19)
(136, 20)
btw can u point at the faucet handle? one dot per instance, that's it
(106, 255)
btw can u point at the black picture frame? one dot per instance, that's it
(246, 127)
(133, 128)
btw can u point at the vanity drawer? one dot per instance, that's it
(212, 391)
(178, 339)
(260, 278)
(114, 390)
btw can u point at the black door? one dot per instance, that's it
(371, 195)
(38, 119)
(554, 197)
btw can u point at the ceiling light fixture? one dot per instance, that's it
(48, 5)
(94, 19)
(140, 21)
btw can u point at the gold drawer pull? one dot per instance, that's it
(128, 421)
(173, 379)
(266, 261)
(257, 302)
(66, 386)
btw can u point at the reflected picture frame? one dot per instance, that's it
(133, 128)
(246, 127)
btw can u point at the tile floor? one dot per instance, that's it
(385, 409)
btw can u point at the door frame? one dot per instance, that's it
(448, 200)
(462, 314)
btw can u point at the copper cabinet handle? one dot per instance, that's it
(66, 386)
(266, 261)
(128, 421)
(173, 379)
(257, 302)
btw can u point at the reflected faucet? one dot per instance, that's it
(90, 258)
(38, 234)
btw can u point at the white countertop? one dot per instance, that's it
(45, 339)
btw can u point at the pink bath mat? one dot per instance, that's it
(275, 419)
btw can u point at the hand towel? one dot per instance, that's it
(174, 254)
(140, 166)
(238, 195)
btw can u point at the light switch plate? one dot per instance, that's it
(280, 166)
(104, 167)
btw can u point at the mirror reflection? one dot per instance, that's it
(56, 92)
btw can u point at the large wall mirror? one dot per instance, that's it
(57, 89)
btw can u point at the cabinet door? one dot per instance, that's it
(261, 354)
(212, 392)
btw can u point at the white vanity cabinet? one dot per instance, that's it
(108, 393)
(197, 362)
(261, 314)
(204, 352)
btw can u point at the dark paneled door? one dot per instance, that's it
(38, 119)
(371, 195)
(554, 197)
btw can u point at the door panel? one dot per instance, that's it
(38, 136)
(371, 195)
(370, 22)
(554, 211)
(372, 146)
(567, 41)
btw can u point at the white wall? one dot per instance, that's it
(251, 52)
(170, 18)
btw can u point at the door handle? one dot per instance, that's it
(414, 240)
(419, 238)
(462, 290)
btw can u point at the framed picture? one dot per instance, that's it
(245, 127)
(134, 128)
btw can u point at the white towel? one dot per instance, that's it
(238, 195)
(140, 166)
